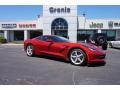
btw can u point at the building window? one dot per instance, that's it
(34, 34)
(110, 34)
(1, 33)
(59, 24)
(18, 35)
(116, 24)
(84, 34)
(59, 27)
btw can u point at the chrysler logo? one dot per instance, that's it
(9, 25)
(59, 10)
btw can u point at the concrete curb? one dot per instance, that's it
(11, 44)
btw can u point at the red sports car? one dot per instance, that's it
(60, 47)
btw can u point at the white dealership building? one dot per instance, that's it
(60, 20)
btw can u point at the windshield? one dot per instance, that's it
(59, 39)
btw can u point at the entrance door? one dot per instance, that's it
(59, 27)
(18, 35)
(63, 33)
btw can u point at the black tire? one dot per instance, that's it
(100, 40)
(28, 51)
(104, 46)
(82, 57)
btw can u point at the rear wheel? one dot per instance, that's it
(77, 57)
(30, 50)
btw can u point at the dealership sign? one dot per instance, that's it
(59, 10)
(112, 24)
(27, 25)
(9, 25)
(96, 25)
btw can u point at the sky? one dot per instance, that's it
(30, 12)
(100, 11)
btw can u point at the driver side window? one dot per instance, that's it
(45, 38)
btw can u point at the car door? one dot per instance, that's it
(57, 48)
(116, 44)
(42, 45)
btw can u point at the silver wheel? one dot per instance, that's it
(77, 57)
(29, 50)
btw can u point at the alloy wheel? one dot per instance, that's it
(29, 50)
(77, 57)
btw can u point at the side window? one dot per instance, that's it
(54, 38)
(39, 38)
(46, 38)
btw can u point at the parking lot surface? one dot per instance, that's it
(16, 68)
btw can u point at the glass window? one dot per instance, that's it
(59, 23)
(61, 28)
(110, 34)
(116, 24)
(59, 39)
(84, 34)
(104, 31)
(58, 26)
(34, 34)
(81, 35)
(44, 38)
(1, 33)
(18, 35)
(53, 27)
(39, 37)
(89, 32)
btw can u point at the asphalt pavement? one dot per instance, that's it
(16, 68)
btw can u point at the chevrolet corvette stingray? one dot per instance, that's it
(60, 47)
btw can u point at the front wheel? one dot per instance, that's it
(77, 57)
(104, 46)
(30, 50)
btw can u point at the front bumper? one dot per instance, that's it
(97, 58)
(97, 61)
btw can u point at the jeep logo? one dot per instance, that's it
(96, 25)
(59, 10)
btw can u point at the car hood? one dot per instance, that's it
(82, 44)
(89, 45)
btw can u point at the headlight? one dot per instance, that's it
(92, 49)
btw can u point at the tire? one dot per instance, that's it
(77, 57)
(30, 50)
(101, 40)
(104, 46)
